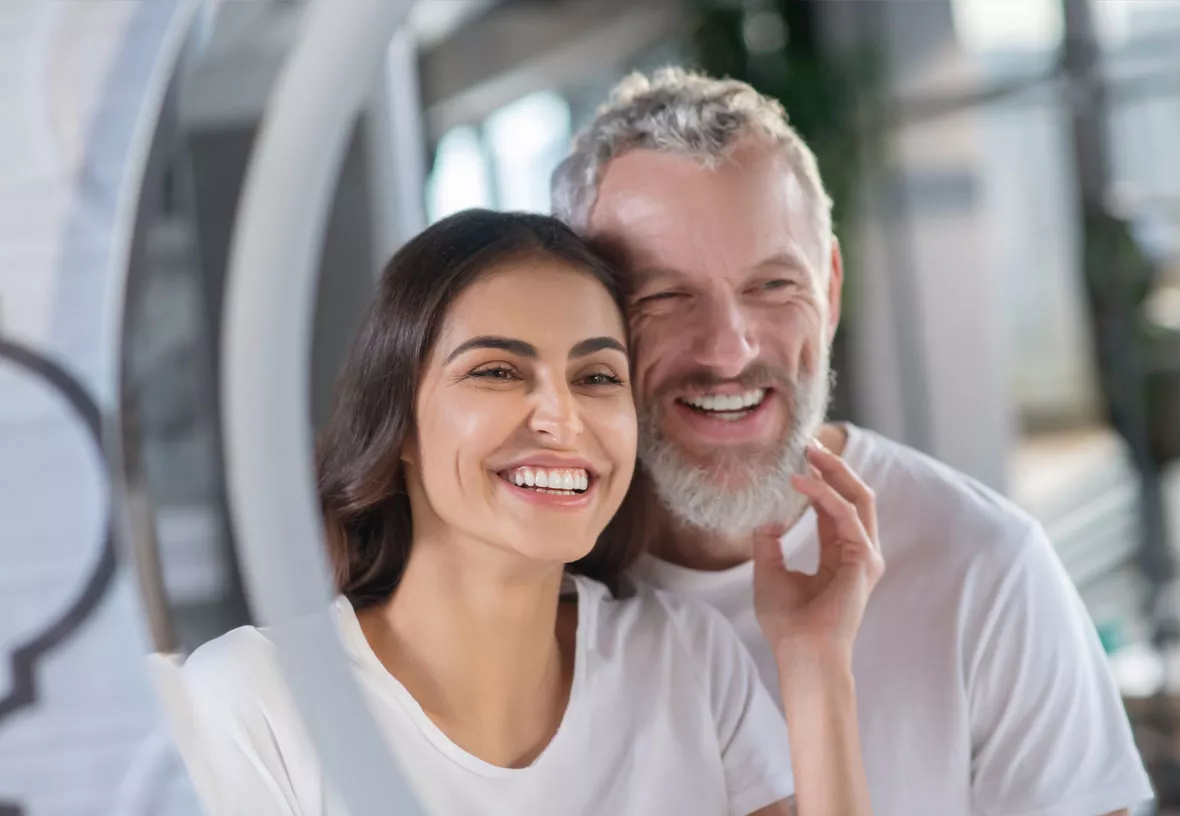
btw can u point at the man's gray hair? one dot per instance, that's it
(686, 113)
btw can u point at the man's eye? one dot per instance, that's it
(778, 283)
(660, 296)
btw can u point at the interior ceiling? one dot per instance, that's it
(434, 20)
(238, 62)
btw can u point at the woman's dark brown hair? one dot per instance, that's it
(361, 483)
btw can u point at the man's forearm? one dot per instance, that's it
(819, 697)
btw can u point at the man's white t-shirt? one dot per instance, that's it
(666, 715)
(982, 687)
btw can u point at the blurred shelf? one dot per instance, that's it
(1081, 486)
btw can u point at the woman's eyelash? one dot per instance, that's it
(494, 373)
(603, 379)
(506, 373)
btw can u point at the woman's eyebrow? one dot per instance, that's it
(593, 344)
(519, 347)
(488, 341)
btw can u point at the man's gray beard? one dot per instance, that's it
(699, 497)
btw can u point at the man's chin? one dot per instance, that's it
(733, 477)
(732, 461)
(729, 497)
(727, 511)
(741, 481)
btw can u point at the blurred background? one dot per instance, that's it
(1007, 184)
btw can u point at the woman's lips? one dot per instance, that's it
(549, 497)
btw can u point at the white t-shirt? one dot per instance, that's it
(982, 687)
(666, 715)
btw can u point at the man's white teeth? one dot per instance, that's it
(727, 402)
(562, 479)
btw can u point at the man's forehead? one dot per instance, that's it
(661, 212)
(749, 165)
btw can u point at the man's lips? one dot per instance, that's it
(746, 423)
(725, 404)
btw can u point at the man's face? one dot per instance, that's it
(732, 314)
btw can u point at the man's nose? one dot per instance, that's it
(724, 339)
(556, 416)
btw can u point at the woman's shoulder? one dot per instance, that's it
(247, 656)
(239, 693)
(640, 617)
(675, 655)
(249, 728)
(240, 662)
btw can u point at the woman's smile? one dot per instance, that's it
(563, 488)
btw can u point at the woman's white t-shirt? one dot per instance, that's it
(666, 715)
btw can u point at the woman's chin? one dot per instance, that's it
(554, 551)
(555, 545)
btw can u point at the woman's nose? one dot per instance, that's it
(556, 416)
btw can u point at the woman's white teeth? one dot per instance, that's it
(551, 479)
(727, 402)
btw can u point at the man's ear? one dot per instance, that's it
(835, 288)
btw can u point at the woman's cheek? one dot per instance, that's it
(621, 431)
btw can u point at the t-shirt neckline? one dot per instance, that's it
(359, 648)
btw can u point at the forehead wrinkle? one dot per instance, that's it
(631, 196)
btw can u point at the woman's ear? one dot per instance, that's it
(409, 455)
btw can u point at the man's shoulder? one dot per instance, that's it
(925, 501)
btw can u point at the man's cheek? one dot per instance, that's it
(791, 340)
(643, 361)
(652, 376)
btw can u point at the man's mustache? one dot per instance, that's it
(757, 375)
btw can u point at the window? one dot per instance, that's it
(505, 163)
(460, 177)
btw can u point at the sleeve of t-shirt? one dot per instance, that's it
(237, 696)
(1049, 733)
(751, 731)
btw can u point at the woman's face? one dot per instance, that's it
(525, 427)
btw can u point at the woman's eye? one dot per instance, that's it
(494, 373)
(601, 378)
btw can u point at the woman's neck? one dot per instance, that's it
(481, 647)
